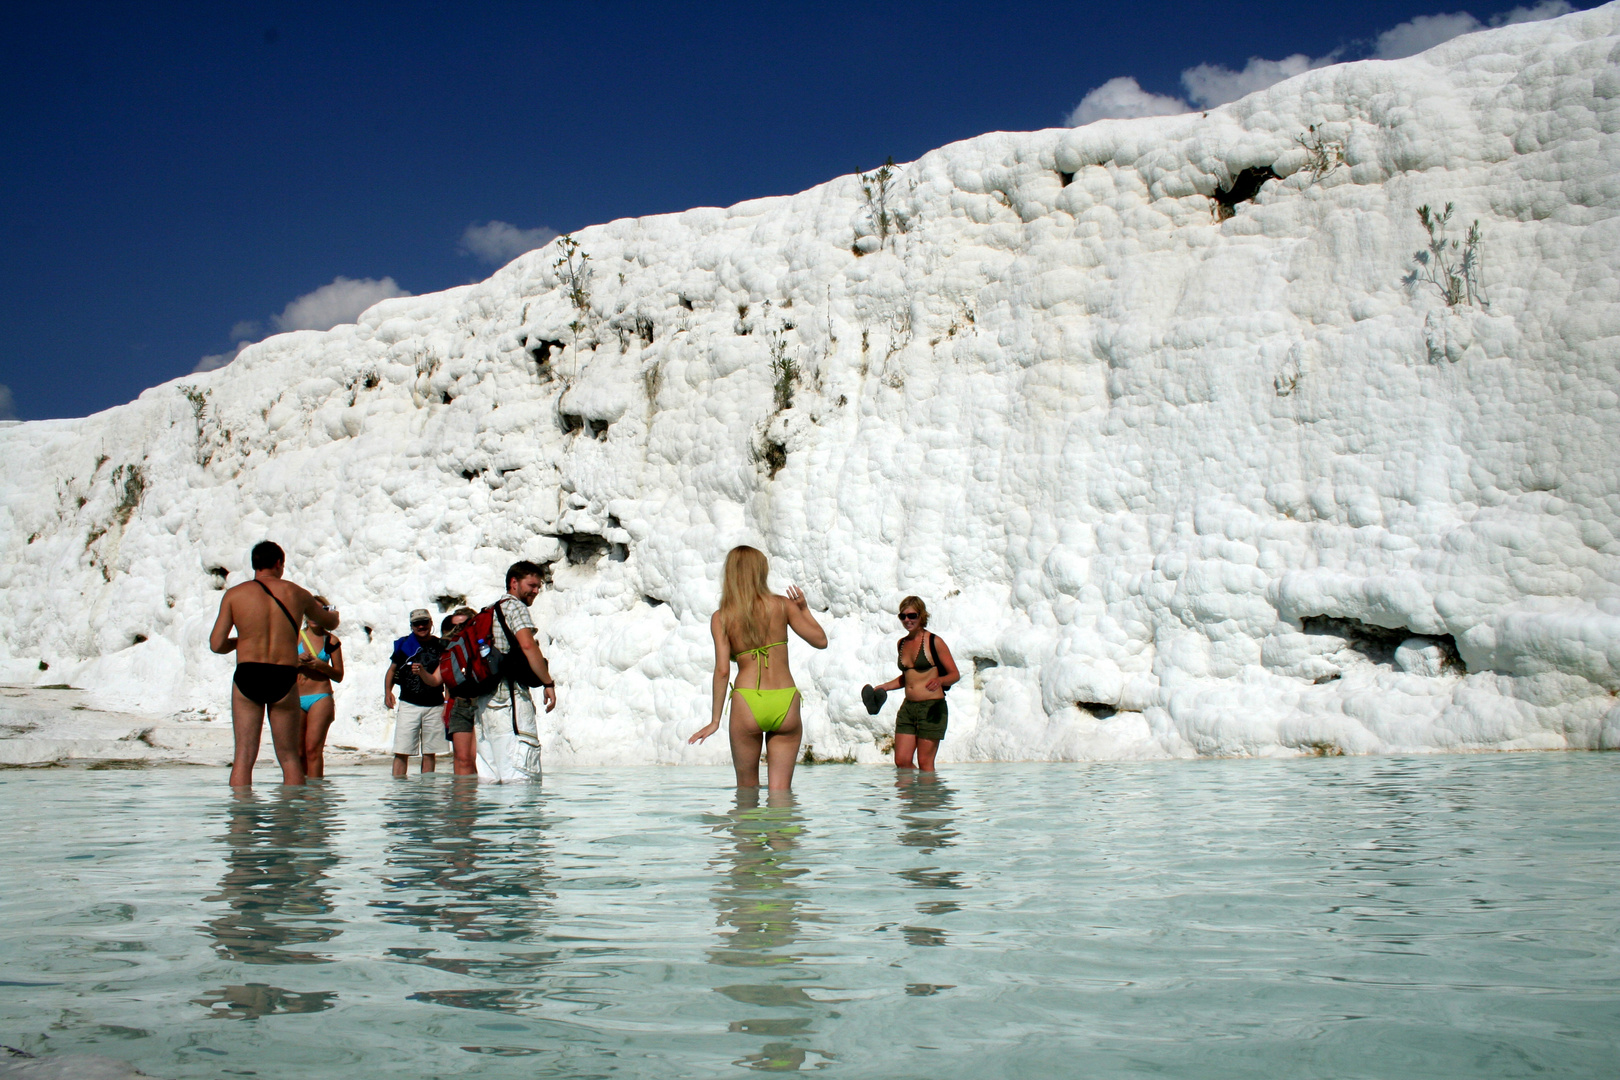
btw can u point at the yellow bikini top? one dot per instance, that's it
(762, 654)
(759, 652)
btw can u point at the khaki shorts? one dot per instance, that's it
(419, 729)
(924, 719)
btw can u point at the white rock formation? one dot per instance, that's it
(1174, 485)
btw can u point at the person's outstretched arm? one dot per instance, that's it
(219, 638)
(322, 615)
(722, 679)
(804, 624)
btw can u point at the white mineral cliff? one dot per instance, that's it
(1171, 484)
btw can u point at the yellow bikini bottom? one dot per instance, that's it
(770, 707)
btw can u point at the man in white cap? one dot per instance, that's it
(419, 724)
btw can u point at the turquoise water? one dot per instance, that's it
(1362, 917)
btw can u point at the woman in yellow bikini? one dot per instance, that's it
(751, 629)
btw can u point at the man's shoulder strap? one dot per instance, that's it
(501, 615)
(279, 604)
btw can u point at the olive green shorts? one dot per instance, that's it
(924, 719)
(461, 716)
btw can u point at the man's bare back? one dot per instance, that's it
(263, 634)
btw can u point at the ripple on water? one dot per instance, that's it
(1345, 917)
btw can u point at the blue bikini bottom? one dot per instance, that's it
(306, 700)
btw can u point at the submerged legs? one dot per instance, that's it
(780, 748)
(908, 746)
(286, 733)
(316, 722)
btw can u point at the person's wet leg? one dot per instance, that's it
(782, 749)
(905, 749)
(926, 749)
(317, 721)
(464, 750)
(402, 764)
(746, 743)
(247, 722)
(430, 763)
(287, 735)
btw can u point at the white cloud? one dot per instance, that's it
(1423, 32)
(1123, 98)
(330, 305)
(1547, 9)
(1427, 31)
(499, 243)
(218, 360)
(1209, 85)
(8, 409)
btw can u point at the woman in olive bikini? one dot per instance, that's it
(927, 670)
(750, 629)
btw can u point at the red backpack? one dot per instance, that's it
(471, 666)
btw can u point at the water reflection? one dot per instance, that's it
(277, 859)
(478, 870)
(761, 906)
(246, 1001)
(927, 812)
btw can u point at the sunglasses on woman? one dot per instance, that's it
(909, 616)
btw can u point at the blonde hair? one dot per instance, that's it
(914, 603)
(743, 594)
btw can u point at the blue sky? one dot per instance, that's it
(177, 179)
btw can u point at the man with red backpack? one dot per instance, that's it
(494, 659)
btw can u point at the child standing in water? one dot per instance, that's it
(750, 629)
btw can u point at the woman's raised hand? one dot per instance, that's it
(795, 597)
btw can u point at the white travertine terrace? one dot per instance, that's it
(1171, 485)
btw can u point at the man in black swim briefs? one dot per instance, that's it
(266, 647)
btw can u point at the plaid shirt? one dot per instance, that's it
(517, 617)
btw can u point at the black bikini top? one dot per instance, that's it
(920, 662)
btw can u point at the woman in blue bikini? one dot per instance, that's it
(316, 674)
(751, 629)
